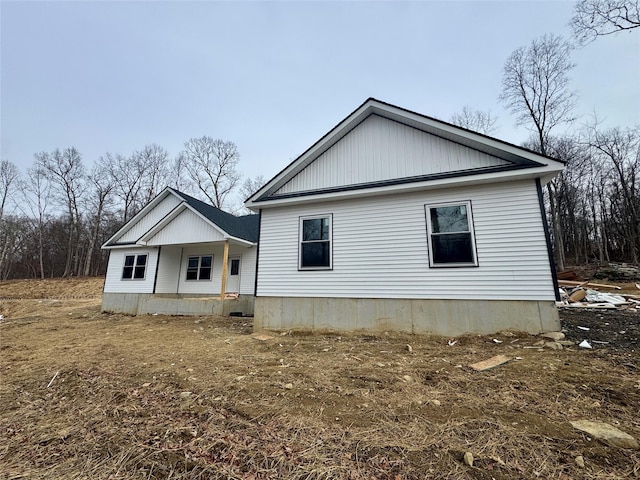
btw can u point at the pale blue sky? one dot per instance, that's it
(273, 77)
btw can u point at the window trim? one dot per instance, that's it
(199, 268)
(133, 267)
(301, 220)
(471, 231)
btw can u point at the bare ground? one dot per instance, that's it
(91, 395)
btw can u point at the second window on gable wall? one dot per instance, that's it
(199, 267)
(451, 236)
(315, 243)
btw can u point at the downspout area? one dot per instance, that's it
(547, 236)
(155, 278)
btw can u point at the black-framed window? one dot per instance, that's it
(315, 243)
(451, 236)
(199, 267)
(135, 267)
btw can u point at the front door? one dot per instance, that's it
(233, 275)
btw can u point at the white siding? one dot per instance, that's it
(113, 281)
(380, 248)
(187, 227)
(247, 267)
(168, 268)
(381, 149)
(150, 219)
(207, 287)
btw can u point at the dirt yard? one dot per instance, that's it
(91, 395)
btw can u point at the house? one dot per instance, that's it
(179, 255)
(397, 221)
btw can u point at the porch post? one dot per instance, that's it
(225, 261)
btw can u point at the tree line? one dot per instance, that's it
(54, 218)
(593, 206)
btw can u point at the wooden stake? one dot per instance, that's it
(567, 283)
(54, 377)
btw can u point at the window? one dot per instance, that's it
(451, 239)
(235, 266)
(315, 243)
(134, 267)
(199, 267)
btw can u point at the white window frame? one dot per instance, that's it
(199, 268)
(327, 216)
(133, 267)
(471, 231)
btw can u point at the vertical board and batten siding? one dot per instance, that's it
(168, 269)
(187, 227)
(147, 221)
(380, 248)
(381, 149)
(114, 283)
(247, 267)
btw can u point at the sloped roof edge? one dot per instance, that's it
(244, 227)
(478, 141)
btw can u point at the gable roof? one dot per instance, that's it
(244, 228)
(511, 160)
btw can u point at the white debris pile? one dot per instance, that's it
(586, 295)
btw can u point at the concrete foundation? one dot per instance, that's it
(435, 317)
(141, 303)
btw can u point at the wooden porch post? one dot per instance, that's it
(225, 261)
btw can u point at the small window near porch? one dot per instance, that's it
(135, 267)
(199, 267)
(451, 236)
(315, 243)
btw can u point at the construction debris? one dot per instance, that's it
(490, 363)
(578, 295)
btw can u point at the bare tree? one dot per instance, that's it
(152, 163)
(247, 189)
(535, 88)
(36, 198)
(128, 178)
(67, 175)
(620, 150)
(102, 185)
(594, 18)
(9, 180)
(476, 120)
(178, 176)
(9, 176)
(211, 164)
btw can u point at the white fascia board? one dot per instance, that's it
(312, 152)
(454, 133)
(122, 246)
(492, 177)
(133, 220)
(241, 241)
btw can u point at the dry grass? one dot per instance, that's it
(200, 398)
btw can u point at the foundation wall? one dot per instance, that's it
(435, 317)
(143, 303)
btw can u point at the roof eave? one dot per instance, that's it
(545, 174)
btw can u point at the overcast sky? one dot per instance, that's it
(273, 77)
